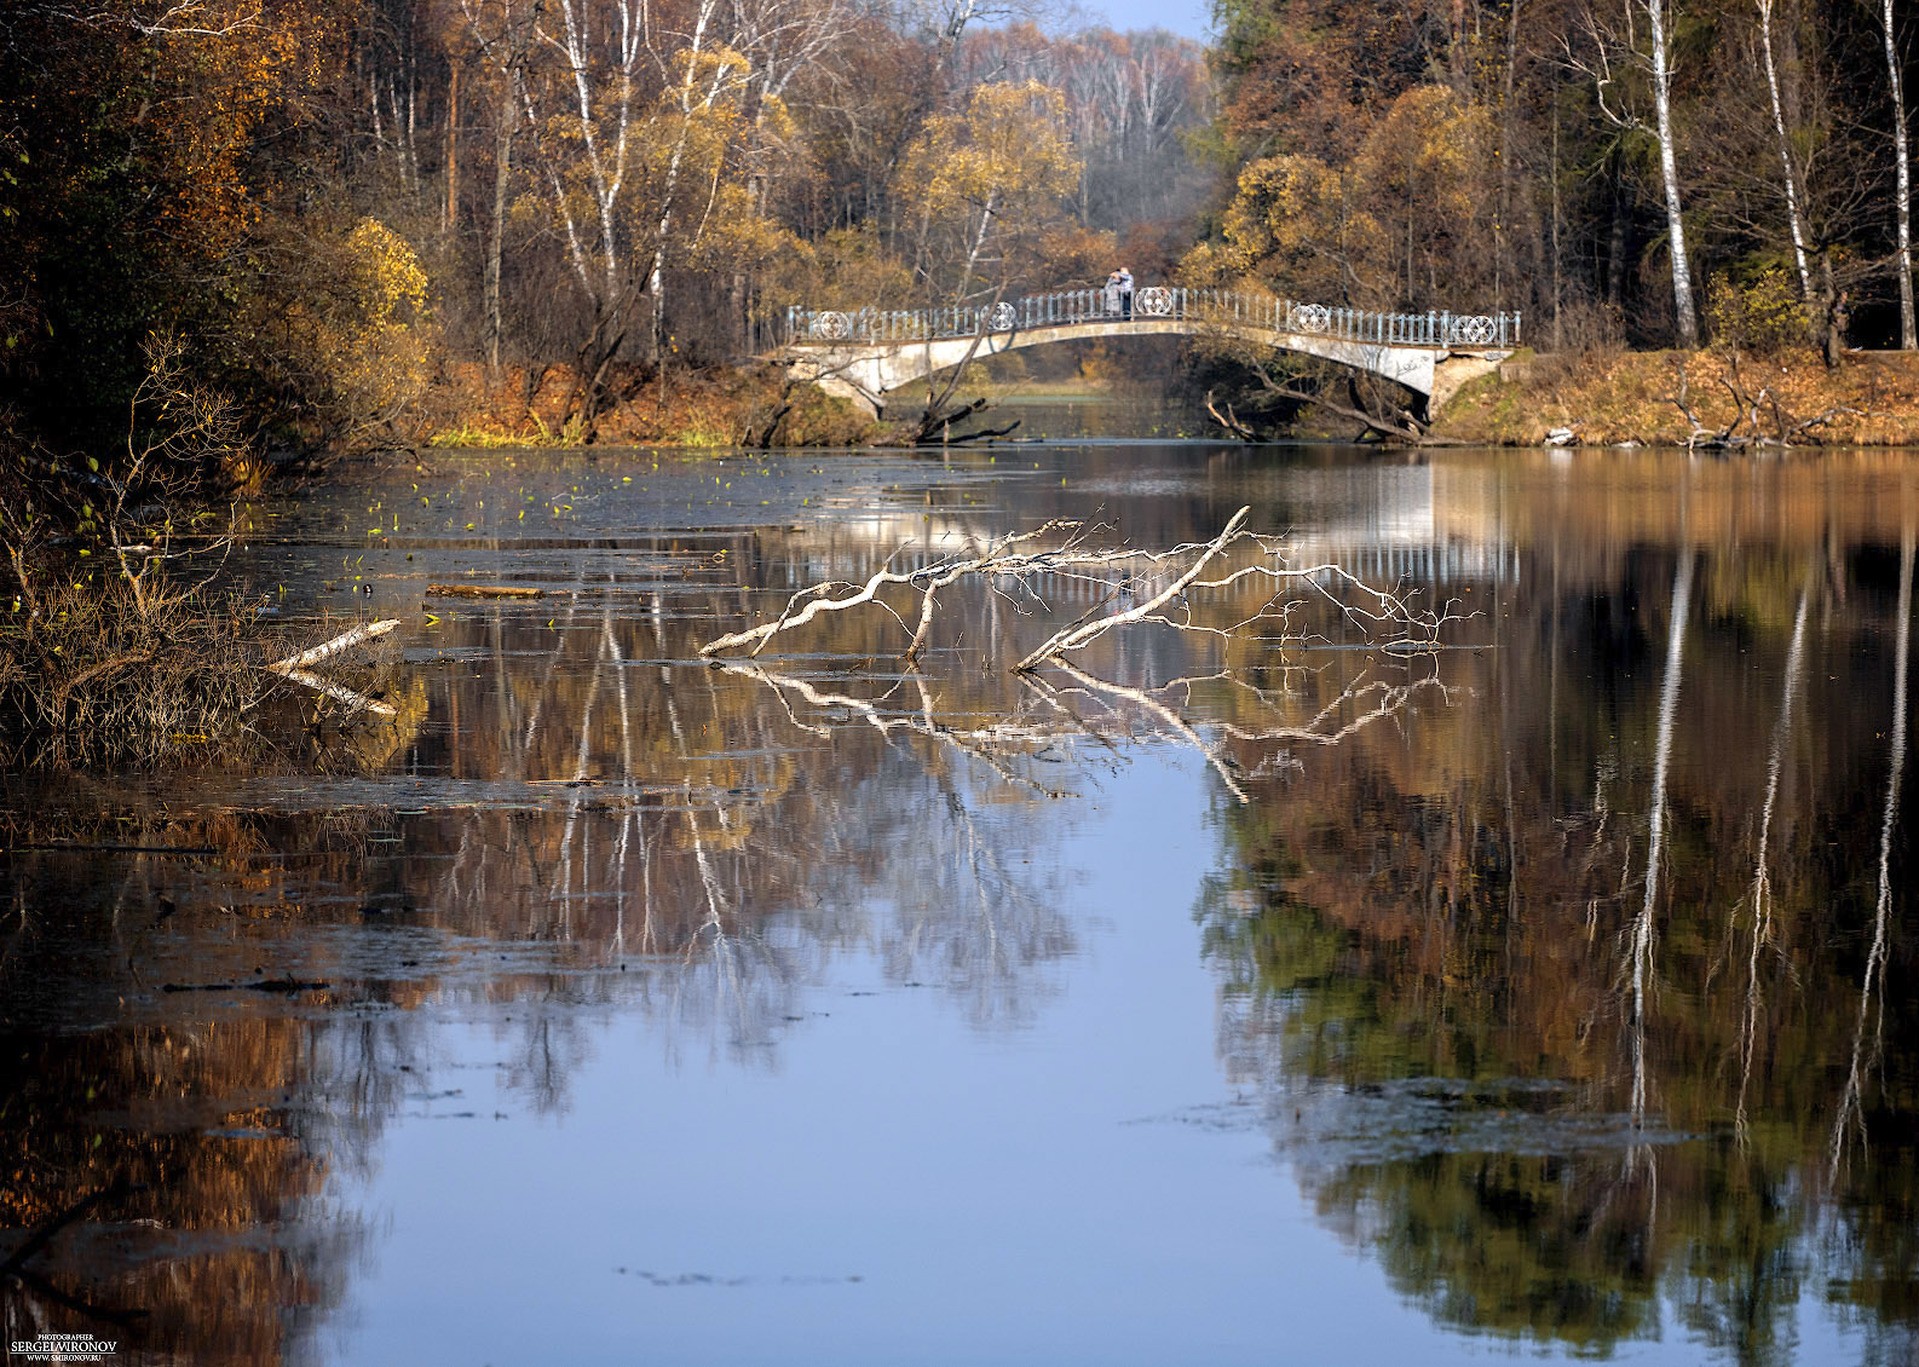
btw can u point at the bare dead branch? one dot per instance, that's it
(1131, 585)
(1073, 638)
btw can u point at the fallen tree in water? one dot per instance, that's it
(90, 675)
(118, 642)
(1237, 588)
(1132, 587)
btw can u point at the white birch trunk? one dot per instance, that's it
(1793, 217)
(656, 273)
(1908, 334)
(1686, 317)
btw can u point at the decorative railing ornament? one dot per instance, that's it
(1475, 330)
(1312, 317)
(1253, 314)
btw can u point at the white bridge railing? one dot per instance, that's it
(1202, 306)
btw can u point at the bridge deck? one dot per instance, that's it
(1161, 304)
(869, 354)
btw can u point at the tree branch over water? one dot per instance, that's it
(1131, 585)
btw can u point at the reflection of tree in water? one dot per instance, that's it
(194, 1148)
(1582, 1020)
(1421, 939)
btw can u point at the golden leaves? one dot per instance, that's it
(1368, 232)
(1008, 147)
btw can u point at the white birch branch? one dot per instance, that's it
(1073, 638)
(346, 640)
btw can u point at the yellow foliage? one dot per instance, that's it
(357, 348)
(996, 174)
(1762, 314)
(848, 268)
(1416, 188)
(388, 279)
(737, 237)
(372, 351)
(1291, 223)
(1009, 146)
(1432, 152)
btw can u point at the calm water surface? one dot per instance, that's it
(1550, 994)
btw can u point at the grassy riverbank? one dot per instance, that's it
(1613, 398)
(696, 409)
(1648, 398)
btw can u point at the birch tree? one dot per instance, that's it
(983, 183)
(635, 123)
(1795, 217)
(504, 34)
(598, 94)
(1611, 47)
(1902, 175)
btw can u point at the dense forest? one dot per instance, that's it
(329, 208)
(1635, 170)
(307, 220)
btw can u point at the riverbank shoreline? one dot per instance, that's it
(1689, 399)
(718, 408)
(1667, 399)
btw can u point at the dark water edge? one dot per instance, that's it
(612, 1007)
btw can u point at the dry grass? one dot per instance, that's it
(1613, 397)
(711, 410)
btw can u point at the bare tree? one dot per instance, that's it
(1610, 46)
(504, 35)
(1908, 333)
(1790, 176)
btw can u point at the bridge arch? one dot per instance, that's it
(868, 355)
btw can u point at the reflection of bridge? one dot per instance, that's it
(867, 354)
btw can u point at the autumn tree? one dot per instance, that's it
(980, 188)
(134, 181)
(1402, 225)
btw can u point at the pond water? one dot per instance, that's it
(1549, 993)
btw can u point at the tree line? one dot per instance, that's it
(322, 210)
(329, 207)
(1653, 172)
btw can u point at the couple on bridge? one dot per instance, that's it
(1119, 294)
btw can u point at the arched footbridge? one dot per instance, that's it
(867, 354)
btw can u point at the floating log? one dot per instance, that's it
(293, 668)
(346, 640)
(480, 591)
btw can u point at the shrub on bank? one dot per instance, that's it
(700, 410)
(1758, 311)
(90, 673)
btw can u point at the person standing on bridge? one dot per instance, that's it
(1125, 278)
(1112, 301)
